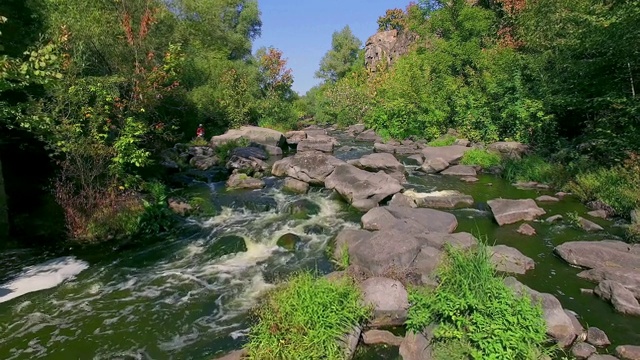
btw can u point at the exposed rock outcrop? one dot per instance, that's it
(362, 189)
(381, 162)
(386, 47)
(312, 167)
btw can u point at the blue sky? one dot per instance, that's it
(302, 29)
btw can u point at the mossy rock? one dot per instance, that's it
(289, 241)
(302, 209)
(229, 244)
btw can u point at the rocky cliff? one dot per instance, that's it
(385, 47)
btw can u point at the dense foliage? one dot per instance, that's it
(107, 85)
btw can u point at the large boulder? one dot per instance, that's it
(600, 254)
(250, 152)
(383, 251)
(434, 165)
(409, 220)
(294, 137)
(510, 149)
(295, 186)
(362, 189)
(510, 260)
(248, 166)
(445, 199)
(507, 211)
(451, 154)
(253, 134)
(381, 162)
(389, 300)
(460, 170)
(386, 47)
(629, 278)
(242, 181)
(204, 162)
(368, 135)
(312, 167)
(314, 144)
(621, 298)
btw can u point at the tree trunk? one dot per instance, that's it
(4, 211)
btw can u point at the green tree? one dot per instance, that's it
(337, 62)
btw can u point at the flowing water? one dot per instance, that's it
(189, 296)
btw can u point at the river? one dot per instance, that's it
(189, 295)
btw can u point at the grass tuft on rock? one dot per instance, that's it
(535, 168)
(445, 140)
(477, 315)
(304, 318)
(481, 157)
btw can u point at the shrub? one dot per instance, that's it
(473, 306)
(223, 151)
(303, 318)
(481, 157)
(535, 168)
(443, 141)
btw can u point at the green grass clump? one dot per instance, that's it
(534, 168)
(476, 310)
(304, 318)
(223, 151)
(617, 187)
(481, 157)
(446, 140)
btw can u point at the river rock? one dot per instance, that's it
(460, 170)
(250, 152)
(451, 154)
(254, 134)
(295, 186)
(381, 162)
(409, 220)
(384, 148)
(602, 357)
(179, 206)
(376, 337)
(349, 342)
(314, 131)
(589, 225)
(315, 145)
(577, 327)
(347, 239)
(301, 209)
(547, 198)
(462, 240)
(312, 167)
(289, 241)
(507, 211)
(628, 352)
(247, 166)
(294, 137)
(510, 149)
(434, 166)
(384, 250)
(369, 135)
(581, 350)
(462, 142)
(362, 189)
(445, 199)
(235, 355)
(554, 218)
(417, 159)
(559, 325)
(628, 277)
(510, 260)
(203, 162)
(526, 229)
(242, 181)
(402, 201)
(621, 298)
(599, 254)
(597, 337)
(469, 179)
(356, 129)
(389, 299)
(417, 346)
(426, 262)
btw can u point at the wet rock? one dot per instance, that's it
(384, 148)
(451, 154)
(362, 189)
(554, 218)
(294, 137)
(226, 245)
(628, 352)
(389, 299)
(561, 195)
(369, 135)
(599, 254)
(510, 260)
(347, 239)
(381, 162)
(416, 159)
(602, 214)
(582, 350)
(179, 206)
(434, 166)
(589, 225)
(409, 220)
(289, 241)
(250, 152)
(507, 211)
(247, 166)
(526, 185)
(416, 346)
(526, 229)
(402, 200)
(202, 162)
(547, 198)
(627, 277)
(460, 170)
(384, 250)
(235, 355)
(510, 149)
(469, 179)
(597, 337)
(301, 209)
(311, 167)
(252, 134)
(323, 145)
(559, 325)
(445, 199)
(295, 186)
(242, 181)
(314, 229)
(347, 149)
(376, 337)
(621, 298)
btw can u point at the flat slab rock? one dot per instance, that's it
(510, 260)
(451, 154)
(599, 254)
(507, 211)
(409, 220)
(460, 170)
(445, 199)
(314, 144)
(254, 134)
(362, 189)
(526, 229)
(621, 298)
(312, 167)
(375, 337)
(628, 352)
(381, 162)
(628, 277)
